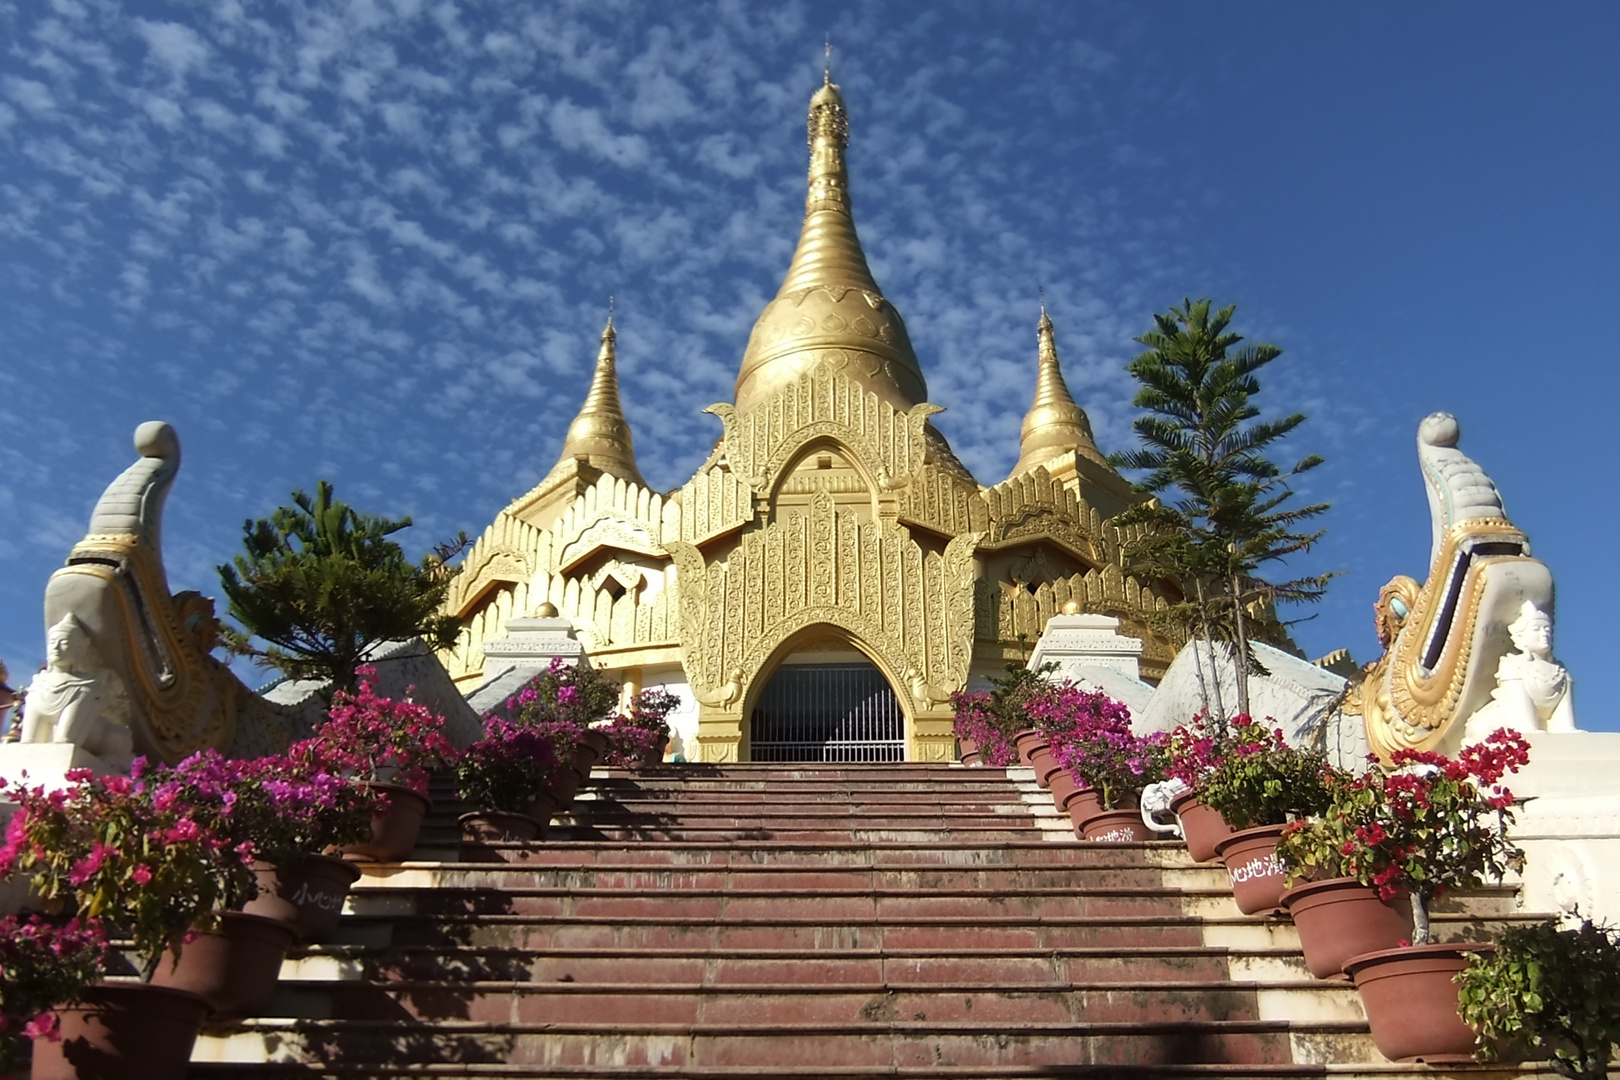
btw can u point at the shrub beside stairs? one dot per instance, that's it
(839, 921)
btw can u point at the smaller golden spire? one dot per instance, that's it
(600, 434)
(1054, 425)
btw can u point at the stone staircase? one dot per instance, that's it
(809, 921)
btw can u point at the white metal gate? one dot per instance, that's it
(827, 712)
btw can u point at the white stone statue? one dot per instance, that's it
(1533, 691)
(78, 700)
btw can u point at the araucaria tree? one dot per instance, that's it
(1225, 511)
(322, 584)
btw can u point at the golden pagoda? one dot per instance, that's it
(832, 563)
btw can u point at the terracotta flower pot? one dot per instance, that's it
(1251, 861)
(1411, 1001)
(234, 968)
(1340, 918)
(1202, 827)
(592, 745)
(1026, 741)
(307, 895)
(1060, 786)
(127, 1031)
(564, 786)
(497, 827)
(1082, 803)
(1044, 763)
(1116, 827)
(970, 753)
(395, 827)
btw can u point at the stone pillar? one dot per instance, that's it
(1090, 650)
(527, 650)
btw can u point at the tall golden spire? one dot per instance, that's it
(600, 434)
(829, 307)
(1054, 425)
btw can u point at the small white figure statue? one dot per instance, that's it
(1533, 691)
(75, 700)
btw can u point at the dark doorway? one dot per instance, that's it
(827, 712)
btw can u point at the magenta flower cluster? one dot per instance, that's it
(1090, 735)
(511, 766)
(977, 722)
(43, 963)
(158, 852)
(634, 734)
(370, 737)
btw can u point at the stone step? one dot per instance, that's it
(225, 1071)
(708, 966)
(1027, 850)
(639, 1003)
(883, 1042)
(755, 876)
(664, 932)
(729, 905)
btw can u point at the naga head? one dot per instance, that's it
(1443, 638)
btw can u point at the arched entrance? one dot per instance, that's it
(827, 711)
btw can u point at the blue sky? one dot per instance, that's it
(374, 241)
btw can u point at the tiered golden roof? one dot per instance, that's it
(829, 307)
(1054, 425)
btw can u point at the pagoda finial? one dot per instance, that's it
(829, 301)
(826, 72)
(1054, 425)
(600, 434)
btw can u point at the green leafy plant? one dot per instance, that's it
(1557, 990)
(323, 584)
(1262, 780)
(1203, 438)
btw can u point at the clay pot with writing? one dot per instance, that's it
(1411, 1001)
(969, 752)
(1251, 861)
(234, 968)
(394, 826)
(1201, 827)
(1340, 917)
(131, 1031)
(1116, 827)
(307, 895)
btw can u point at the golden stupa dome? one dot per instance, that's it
(829, 308)
(600, 434)
(1054, 425)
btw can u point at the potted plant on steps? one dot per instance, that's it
(508, 776)
(295, 808)
(1435, 825)
(989, 720)
(1555, 991)
(563, 702)
(1090, 735)
(44, 963)
(1257, 787)
(390, 746)
(136, 853)
(1193, 750)
(639, 736)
